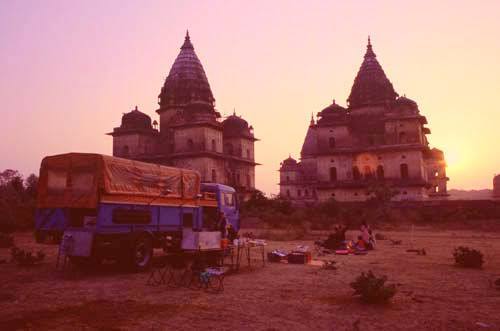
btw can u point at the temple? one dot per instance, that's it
(378, 140)
(191, 134)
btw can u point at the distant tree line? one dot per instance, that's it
(279, 212)
(17, 200)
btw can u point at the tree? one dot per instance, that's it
(9, 175)
(17, 200)
(380, 201)
(31, 185)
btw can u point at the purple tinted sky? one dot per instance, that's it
(69, 69)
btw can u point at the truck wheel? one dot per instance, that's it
(142, 253)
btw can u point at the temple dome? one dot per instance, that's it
(405, 102)
(333, 108)
(371, 86)
(186, 81)
(290, 162)
(135, 120)
(235, 126)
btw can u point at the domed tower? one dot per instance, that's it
(496, 187)
(435, 166)
(186, 83)
(135, 137)
(191, 134)
(289, 177)
(239, 152)
(308, 161)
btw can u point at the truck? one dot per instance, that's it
(115, 208)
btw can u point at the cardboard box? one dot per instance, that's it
(297, 258)
(77, 242)
(203, 240)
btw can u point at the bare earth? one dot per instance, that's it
(432, 293)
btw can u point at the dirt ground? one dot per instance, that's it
(432, 293)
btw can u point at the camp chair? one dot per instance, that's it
(215, 279)
(159, 271)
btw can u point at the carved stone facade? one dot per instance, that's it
(496, 187)
(192, 133)
(379, 139)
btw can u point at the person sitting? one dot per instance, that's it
(222, 224)
(231, 233)
(371, 241)
(342, 231)
(360, 244)
(336, 239)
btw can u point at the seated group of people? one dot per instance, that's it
(337, 240)
(366, 240)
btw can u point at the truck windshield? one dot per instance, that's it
(228, 199)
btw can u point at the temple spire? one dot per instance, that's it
(186, 82)
(369, 49)
(371, 86)
(187, 42)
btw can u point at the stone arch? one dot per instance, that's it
(403, 169)
(125, 150)
(356, 175)
(332, 142)
(380, 172)
(333, 174)
(190, 144)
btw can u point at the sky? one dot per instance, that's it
(70, 69)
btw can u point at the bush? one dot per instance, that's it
(372, 289)
(6, 240)
(25, 258)
(468, 257)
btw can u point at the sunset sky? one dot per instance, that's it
(69, 69)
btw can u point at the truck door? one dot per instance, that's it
(229, 205)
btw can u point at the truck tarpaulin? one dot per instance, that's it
(79, 180)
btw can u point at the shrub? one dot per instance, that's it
(372, 289)
(6, 240)
(25, 258)
(468, 257)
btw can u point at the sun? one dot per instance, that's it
(452, 158)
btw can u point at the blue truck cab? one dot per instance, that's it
(227, 202)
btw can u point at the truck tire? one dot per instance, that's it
(142, 253)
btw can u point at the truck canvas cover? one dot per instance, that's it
(80, 180)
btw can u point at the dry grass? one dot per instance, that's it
(432, 293)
